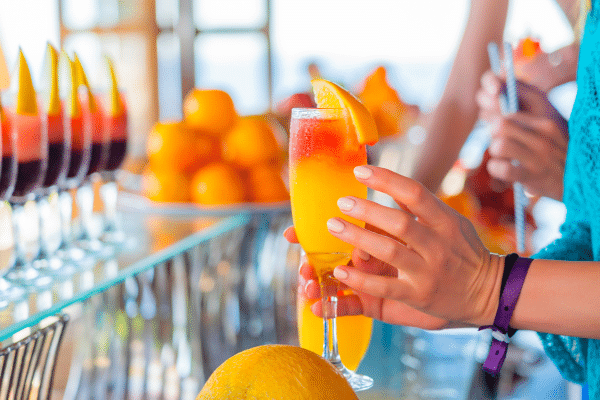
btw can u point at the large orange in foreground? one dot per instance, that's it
(276, 372)
(210, 111)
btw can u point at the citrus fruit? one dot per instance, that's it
(218, 183)
(166, 186)
(330, 95)
(391, 114)
(527, 49)
(209, 110)
(276, 372)
(251, 141)
(172, 145)
(265, 185)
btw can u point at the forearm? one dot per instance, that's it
(456, 114)
(560, 297)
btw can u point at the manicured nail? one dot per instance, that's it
(346, 203)
(340, 273)
(306, 287)
(363, 255)
(335, 225)
(363, 172)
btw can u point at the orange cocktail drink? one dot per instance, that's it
(323, 153)
(325, 147)
(326, 144)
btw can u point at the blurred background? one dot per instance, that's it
(257, 50)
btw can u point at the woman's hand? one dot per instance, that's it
(528, 146)
(441, 267)
(396, 313)
(431, 271)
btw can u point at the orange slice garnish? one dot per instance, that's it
(330, 95)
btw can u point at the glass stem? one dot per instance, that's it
(329, 288)
(42, 205)
(109, 192)
(17, 220)
(85, 204)
(26, 234)
(66, 212)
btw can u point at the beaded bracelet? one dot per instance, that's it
(515, 271)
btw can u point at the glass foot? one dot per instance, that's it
(9, 293)
(113, 237)
(26, 275)
(54, 267)
(77, 257)
(96, 248)
(357, 381)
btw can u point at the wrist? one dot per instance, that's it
(513, 278)
(490, 290)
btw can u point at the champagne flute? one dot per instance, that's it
(8, 177)
(79, 125)
(92, 107)
(116, 123)
(59, 142)
(32, 161)
(324, 150)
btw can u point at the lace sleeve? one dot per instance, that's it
(570, 353)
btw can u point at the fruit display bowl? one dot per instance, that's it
(133, 202)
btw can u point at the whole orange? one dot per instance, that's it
(166, 186)
(250, 142)
(207, 149)
(265, 185)
(173, 146)
(218, 183)
(276, 372)
(209, 110)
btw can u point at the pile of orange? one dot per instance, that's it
(215, 156)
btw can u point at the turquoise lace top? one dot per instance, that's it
(579, 359)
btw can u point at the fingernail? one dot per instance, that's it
(363, 172)
(363, 255)
(346, 203)
(335, 225)
(340, 273)
(306, 287)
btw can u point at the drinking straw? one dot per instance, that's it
(509, 104)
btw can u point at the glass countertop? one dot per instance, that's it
(150, 240)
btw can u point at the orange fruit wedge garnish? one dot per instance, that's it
(330, 95)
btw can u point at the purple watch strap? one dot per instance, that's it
(506, 307)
